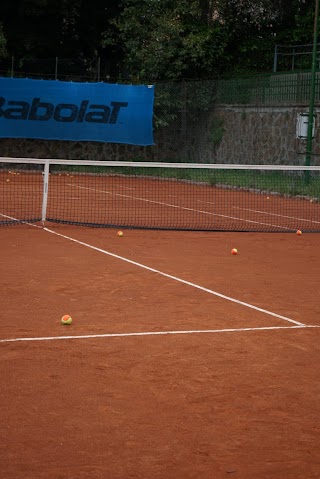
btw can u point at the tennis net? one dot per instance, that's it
(172, 196)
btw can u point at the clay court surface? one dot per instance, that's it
(229, 390)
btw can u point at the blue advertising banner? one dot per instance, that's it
(57, 110)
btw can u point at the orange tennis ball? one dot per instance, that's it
(120, 233)
(234, 251)
(66, 319)
(299, 232)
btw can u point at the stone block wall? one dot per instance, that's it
(265, 135)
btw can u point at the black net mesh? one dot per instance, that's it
(162, 196)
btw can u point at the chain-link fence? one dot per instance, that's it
(245, 119)
(67, 69)
(267, 89)
(256, 89)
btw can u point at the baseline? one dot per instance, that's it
(154, 333)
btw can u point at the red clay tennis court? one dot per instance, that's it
(182, 361)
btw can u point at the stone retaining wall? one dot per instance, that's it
(230, 134)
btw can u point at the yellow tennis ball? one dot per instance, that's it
(120, 233)
(66, 319)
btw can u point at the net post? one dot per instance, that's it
(45, 190)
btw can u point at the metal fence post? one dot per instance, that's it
(275, 58)
(313, 87)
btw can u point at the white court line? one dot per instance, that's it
(275, 214)
(180, 207)
(263, 212)
(175, 278)
(154, 333)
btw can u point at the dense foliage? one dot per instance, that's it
(156, 39)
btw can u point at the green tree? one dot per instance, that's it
(49, 28)
(68, 29)
(168, 39)
(256, 27)
(153, 40)
(3, 43)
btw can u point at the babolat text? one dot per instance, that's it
(38, 110)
